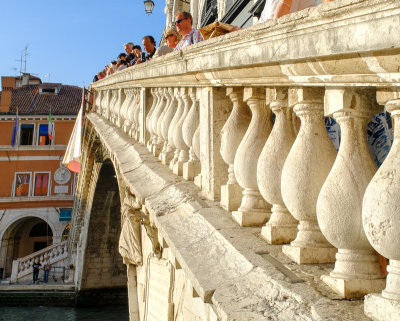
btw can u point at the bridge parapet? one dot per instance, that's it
(243, 116)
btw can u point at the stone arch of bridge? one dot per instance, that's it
(102, 265)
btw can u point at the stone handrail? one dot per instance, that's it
(23, 266)
(207, 113)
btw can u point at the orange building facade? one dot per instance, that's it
(36, 190)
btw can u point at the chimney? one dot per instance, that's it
(7, 84)
(25, 79)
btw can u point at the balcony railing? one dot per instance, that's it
(207, 113)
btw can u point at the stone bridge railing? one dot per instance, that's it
(243, 116)
(22, 267)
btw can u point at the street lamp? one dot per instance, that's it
(148, 6)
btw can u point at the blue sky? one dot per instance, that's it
(72, 39)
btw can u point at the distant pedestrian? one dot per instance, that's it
(36, 267)
(46, 269)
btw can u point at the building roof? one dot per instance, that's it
(28, 100)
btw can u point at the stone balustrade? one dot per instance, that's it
(22, 267)
(243, 116)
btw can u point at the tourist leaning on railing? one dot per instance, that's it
(183, 23)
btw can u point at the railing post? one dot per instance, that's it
(231, 135)
(14, 271)
(215, 108)
(253, 210)
(305, 170)
(281, 227)
(381, 218)
(339, 205)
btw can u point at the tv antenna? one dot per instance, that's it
(22, 60)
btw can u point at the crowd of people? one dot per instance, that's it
(183, 34)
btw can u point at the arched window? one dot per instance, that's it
(41, 229)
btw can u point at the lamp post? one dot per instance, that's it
(148, 6)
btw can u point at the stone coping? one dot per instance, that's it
(37, 287)
(228, 265)
(345, 42)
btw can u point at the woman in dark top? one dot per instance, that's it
(36, 266)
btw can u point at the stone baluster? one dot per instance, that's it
(305, 170)
(171, 130)
(132, 109)
(136, 115)
(164, 108)
(157, 113)
(167, 127)
(196, 151)
(149, 114)
(339, 205)
(179, 142)
(113, 105)
(151, 119)
(128, 113)
(98, 102)
(160, 124)
(104, 104)
(253, 211)
(231, 135)
(381, 218)
(124, 107)
(192, 167)
(281, 227)
(120, 103)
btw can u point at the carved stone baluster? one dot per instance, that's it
(171, 130)
(105, 104)
(178, 133)
(164, 130)
(253, 211)
(167, 127)
(381, 218)
(196, 151)
(231, 135)
(98, 102)
(128, 100)
(339, 205)
(281, 227)
(157, 114)
(136, 111)
(120, 104)
(151, 119)
(148, 116)
(132, 108)
(305, 170)
(113, 105)
(192, 167)
(164, 107)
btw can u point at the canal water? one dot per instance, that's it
(64, 314)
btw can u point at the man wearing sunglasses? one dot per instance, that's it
(183, 23)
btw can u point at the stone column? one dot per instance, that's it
(357, 270)
(192, 167)
(281, 227)
(253, 210)
(178, 133)
(174, 124)
(305, 170)
(166, 125)
(381, 218)
(132, 293)
(149, 117)
(215, 108)
(231, 135)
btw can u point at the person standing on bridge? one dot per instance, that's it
(36, 267)
(46, 269)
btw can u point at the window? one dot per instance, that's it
(41, 184)
(22, 184)
(65, 214)
(44, 135)
(26, 134)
